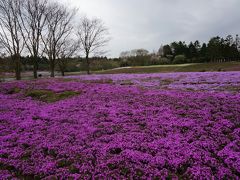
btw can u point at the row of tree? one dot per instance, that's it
(217, 49)
(46, 28)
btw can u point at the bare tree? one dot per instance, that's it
(125, 54)
(93, 36)
(67, 50)
(33, 19)
(10, 32)
(59, 28)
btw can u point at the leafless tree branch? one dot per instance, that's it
(93, 37)
(59, 28)
(10, 32)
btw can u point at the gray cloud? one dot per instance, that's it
(150, 23)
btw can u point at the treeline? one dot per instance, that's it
(45, 32)
(216, 50)
(72, 64)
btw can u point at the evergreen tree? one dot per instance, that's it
(167, 50)
(203, 53)
(192, 51)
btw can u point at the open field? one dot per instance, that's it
(136, 126)
(199, 67)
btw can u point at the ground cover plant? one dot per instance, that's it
(136, 126)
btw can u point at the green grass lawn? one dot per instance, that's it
(198, 67)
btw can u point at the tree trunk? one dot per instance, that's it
(52, 68)
(35, 67)
(88, 64)
(61, 67)
(63, 73)
(17, 67)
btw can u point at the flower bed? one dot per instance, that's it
(110, 129)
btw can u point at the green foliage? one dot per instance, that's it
(125, 171)
(72, 68)
(159, 61)
(164, 60)
(214, 48)
(73, 169)
(14, 90)
(170, 57)
(65, 94)
(104, 65)
(100, 64)
(112, 166)
(136, 61)
(180, 59)
(139, 61)
(167, 50)
(195, 60)
(63, 163)
(49, 96)
(192, 51)
(124, 63)
(179, 48)
(203, 53)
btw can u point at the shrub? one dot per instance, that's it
(164, 61)
(170, 57)
(139, 61)
(96, 65)
(49, 96)
(109, 65)
(124, 63)
(195, 60)
(14, 90)
(179, 59)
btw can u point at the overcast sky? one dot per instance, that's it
(149, 23)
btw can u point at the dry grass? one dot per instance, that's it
(199, 67)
